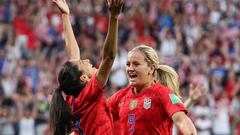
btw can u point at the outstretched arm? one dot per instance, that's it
(194, 93)
(110, 44)
(73, 51)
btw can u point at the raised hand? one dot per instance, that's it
(115, 7)
(72, 47)
(196, 91)
(62, 5)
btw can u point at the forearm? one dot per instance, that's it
(72, 48)
(186, 127)
(110, 44)
(109, 52)
(184, 123)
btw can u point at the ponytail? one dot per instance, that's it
(60, 114)
(167, 76)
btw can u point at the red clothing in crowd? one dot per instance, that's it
(21, 27)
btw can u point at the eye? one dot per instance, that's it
(128, 64)
(136, 63)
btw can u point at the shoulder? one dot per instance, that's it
(91, 90)
(166, 95)
(162, 90)
(94, 82)
(120, 93)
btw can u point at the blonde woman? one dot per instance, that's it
(146, 106)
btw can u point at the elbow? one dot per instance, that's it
(184, 124)
(193, 132)
(188, 129)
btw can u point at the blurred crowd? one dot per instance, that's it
(199, 38)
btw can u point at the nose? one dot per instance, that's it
(130, 67)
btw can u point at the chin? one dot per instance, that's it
(132, 84)
(92, 73)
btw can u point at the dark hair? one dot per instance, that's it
(8, 102)
(60, 113)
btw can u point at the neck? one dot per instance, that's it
(138, 89)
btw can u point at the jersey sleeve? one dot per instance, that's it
(92, 90)
(88, 96)
(172, 103)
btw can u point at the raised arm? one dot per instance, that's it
(73, 51)
(194, 93)
(111, 41)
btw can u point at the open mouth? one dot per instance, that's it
(132, 76)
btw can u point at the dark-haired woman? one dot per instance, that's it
(84, 109)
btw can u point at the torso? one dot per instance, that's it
(148, 112)
(91, 114)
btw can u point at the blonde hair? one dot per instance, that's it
(163, 74)
(168, 77)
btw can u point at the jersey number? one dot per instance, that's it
(131, 120)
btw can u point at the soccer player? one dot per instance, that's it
(84, 109)
(171, 81)
(146, 106)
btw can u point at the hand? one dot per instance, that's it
(196, 91)
(62, 5)
(115, 7)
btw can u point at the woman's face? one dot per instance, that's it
(140, 74)
(86, 67)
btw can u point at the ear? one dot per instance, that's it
(152, 69)
(84, 78)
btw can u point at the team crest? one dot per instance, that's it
(147, 102)
(133, 104)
